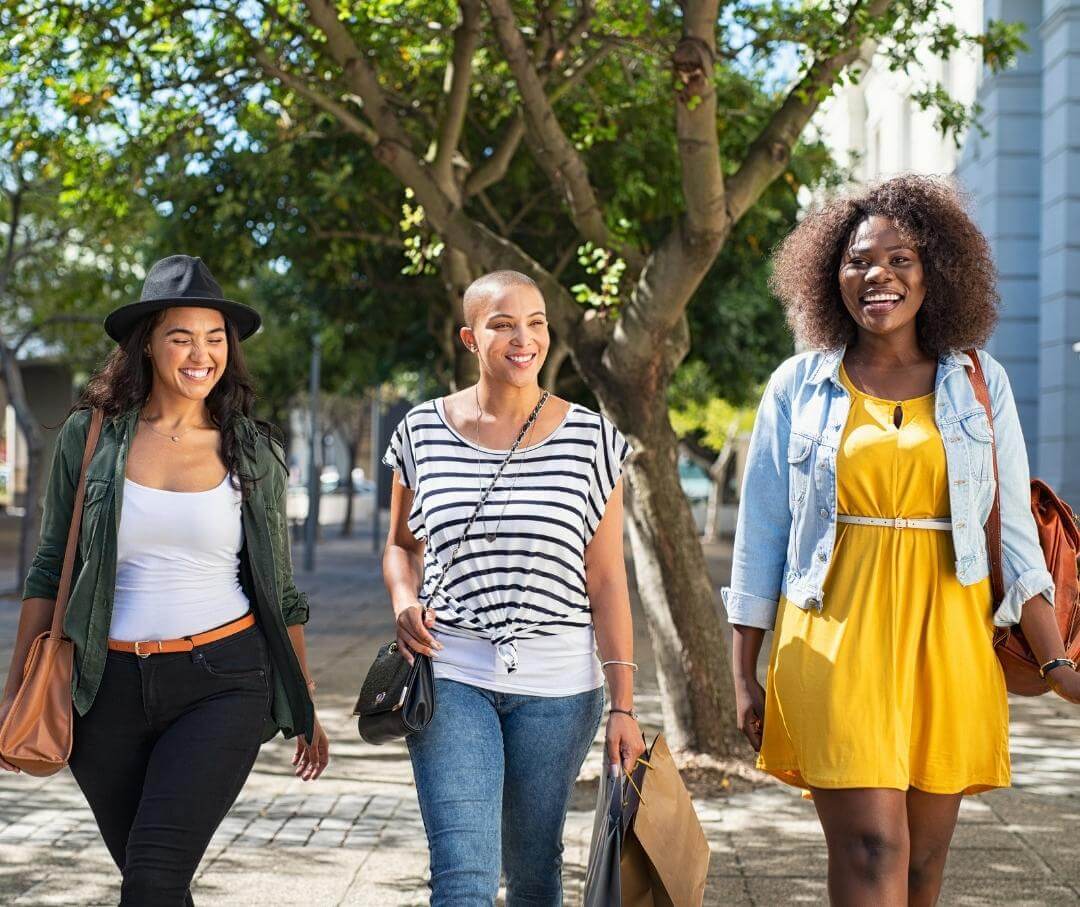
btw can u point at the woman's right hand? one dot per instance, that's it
(5, 707)
(750, 709)
(413, 638)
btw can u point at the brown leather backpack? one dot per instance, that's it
(1059, 536)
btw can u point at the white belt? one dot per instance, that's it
(899, 523)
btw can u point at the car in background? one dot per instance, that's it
(695, 482)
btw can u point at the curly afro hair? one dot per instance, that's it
(960, 308)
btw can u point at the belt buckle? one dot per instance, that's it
(149, 642)
(900, 523)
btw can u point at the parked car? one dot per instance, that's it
(694, 480)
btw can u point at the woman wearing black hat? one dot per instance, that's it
(188, 629)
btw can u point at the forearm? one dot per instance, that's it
(34, 619)
(296, 637)
(614, 629)
(403, 572)
(746, 647)
(1039, 624)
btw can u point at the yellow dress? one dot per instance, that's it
(894, 683)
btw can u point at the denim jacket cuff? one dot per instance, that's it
(1036, 581)
(749, 610)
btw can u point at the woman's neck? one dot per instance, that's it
(888, 350)
(507, 401)
(174, 411)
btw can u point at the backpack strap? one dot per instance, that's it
(993, 521)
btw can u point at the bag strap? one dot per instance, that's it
(64, 590)
(993, 521)
(487, 491)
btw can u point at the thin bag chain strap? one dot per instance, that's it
(993, 521)
(487, 491)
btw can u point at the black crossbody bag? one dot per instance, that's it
(396, 698)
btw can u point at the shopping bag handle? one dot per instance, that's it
(630, 778)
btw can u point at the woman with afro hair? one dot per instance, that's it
(860, 539)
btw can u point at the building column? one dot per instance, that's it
(1001, 171)
(1058, 457)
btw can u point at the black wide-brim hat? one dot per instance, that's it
(180, 280)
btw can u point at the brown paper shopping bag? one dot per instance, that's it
(665, 856)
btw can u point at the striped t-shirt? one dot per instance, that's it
(529, 582)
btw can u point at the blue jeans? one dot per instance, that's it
(494, 773)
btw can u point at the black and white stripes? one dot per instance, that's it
(530, 581)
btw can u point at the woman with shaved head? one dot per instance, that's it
(504, 563)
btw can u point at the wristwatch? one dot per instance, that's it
(631, 712)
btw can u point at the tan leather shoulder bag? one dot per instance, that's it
(36, 736)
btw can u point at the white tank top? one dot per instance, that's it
(177, 562)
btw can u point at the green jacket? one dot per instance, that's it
(265, 561)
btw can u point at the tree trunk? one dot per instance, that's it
(457, 274)
(712, 510)
(30, 527)
(350, 492)
(692, 660)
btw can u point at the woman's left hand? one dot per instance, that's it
(312, 758)
(1066, 683)
(624, 741)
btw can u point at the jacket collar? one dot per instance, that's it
(828, 365)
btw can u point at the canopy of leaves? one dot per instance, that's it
(284, 201)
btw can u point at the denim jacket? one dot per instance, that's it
(786, 529)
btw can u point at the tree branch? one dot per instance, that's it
(695, 120)
(458, 81)
(14, 218)
(378, 239)
(36, 329)
(493, 213)
(394, 151)
(554, 151)
(338, 110)
(770, 153)
(494, 168)
(651, 336)
(360, 76)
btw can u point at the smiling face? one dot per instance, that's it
(189, 349)
(508, 328)
(881, 278)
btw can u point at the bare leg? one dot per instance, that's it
(931, 821)
(867, 834)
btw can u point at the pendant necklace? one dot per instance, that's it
(491, 534)
(174, 438)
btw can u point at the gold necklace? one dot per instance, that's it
(174, 438)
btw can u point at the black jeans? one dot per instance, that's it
(163, 753)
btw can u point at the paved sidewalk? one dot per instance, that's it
(355, 837)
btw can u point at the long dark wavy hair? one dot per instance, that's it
(123, 383)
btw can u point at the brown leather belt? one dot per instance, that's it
(146, 648)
